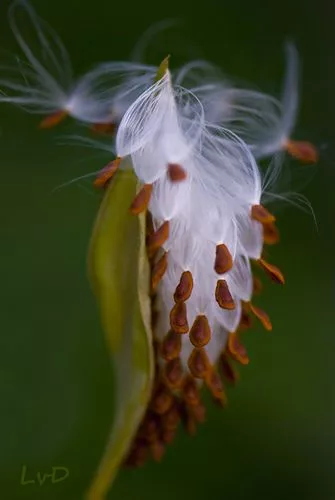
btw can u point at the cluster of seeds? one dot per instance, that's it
(193, 139)
(176, 395)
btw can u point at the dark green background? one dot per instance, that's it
(276, 440)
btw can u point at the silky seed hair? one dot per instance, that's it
(43, 82)
(202, 190)
(264, 122)
(193, 139)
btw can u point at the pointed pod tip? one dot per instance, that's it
(162, 68)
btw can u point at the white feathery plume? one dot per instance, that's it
(264, 122)
(44, 82)
(208, 209)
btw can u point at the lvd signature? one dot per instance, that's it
(56, 475)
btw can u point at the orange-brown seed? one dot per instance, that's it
(262, 316)
(157, 450)
(273, 271)
(214, 384)
(200, 333)
(178, 318)
(228, 371)
(261, 214)
(184, 288)
(171, 346)
(168, 435)
(171, 419)
(54, 119)
(141, 200)
(162, 400)
(149, 429)
(137, 456)
(270, 234)
(191, 425)
(223, 295)
(246, 321)
(190, 392)
(158, 271)
(198, 363)
(223, 259)
(104, 128)
(107, 173)
(173, 373)
(149, 227)
(236, 349)
(257, 286)
(303, 151)
(156, 239)
(198, 412)
(176, 172)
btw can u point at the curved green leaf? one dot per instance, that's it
(119, 272)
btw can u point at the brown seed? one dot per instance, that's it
(261, 214)
(257, 286)
(223, 259)
(107, 173)
(198, 412)
(200, 333)
(262, 316)
(176, 172)
(156, 239)
(137, 456)
(191, 425)
(303, 151)
(214, 384)
(171, 419)
(157, 382)
(104, 128)
(157, 450)
(178, 318)
(275, 274)
(246, 321)
(54, 119)
(141, 200)
(229, 373)
(149, 429)
(149, 227)
(190, 392)
(168, 435)
(223, 296)
(173, 373)
(171, 346)
(184, 288)
(162, 400)
(158, 271)
(198, 363)
(270, 234)
(236, 349)
(189, 421)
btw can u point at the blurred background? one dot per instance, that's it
(276, 439)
